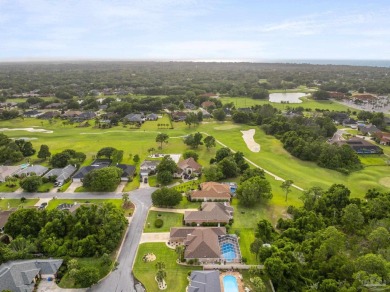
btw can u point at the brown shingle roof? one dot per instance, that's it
(189, 163)
(210, 194)
(211, 212)
(216, 187)
(203, 243)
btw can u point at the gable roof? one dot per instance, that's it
(204, 281)
(128, 170)
(6, 170)
(189, 163)
(134, 117)
(18, 276)
(37, 169)
(61, 173)
(210, 212)
(210, 194)
(214, 186)
(207, 104)
(150, 163)
(203, 243)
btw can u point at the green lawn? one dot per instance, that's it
(185, 204)
(145, 272)
(246, 237)
(14, 203)
(4, 188)
(189, 185)
(67, 282)
(154, 125)
(133, 185)
(170, 220)
(65, 186)
(44, 188)
(54, 203)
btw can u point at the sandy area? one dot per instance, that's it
(250, 142)
(32, 130)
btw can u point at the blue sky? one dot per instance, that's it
(194, 29)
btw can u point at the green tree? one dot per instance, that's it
(11, 181)
(190, 153)
(254, 190)
(373, 264)
(352, 218)
(209, 141)
(259, 284)
(193, 140)
(31, 183)
(191, 119)
(44, 152)
(219, 114)
(228, 167)
(117, 156)
(167, 164)
(379, 239)
(87, 276)
(60, 160)
(160, 265)
(161, 275)
(136, 158)
(166, 197)
(162, 138)
(164, 177)
(103, 179)
(222, 153)
(286, 185)
(16, 224)
(106, 152)
(252, 172)
(213, 173)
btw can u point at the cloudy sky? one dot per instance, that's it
(194, 29)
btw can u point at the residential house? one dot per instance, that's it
(204, 281)
(247, 110)
(210, 212)
(188, 167)
(338, 117)
(83, 171)
(70, 114)
(128, 171)
(206, 104)
(206, 244)
(49, 115)
(189, 105)
(350, 123)
(135, 118)
(21, 276)
(179, 116)
(369, 130)
(361, 146)
(6, 171)
(84, 116)
(38, 170)
(62, 174)
(210, 95)
(152, 117)
(147, 168)
(54, 105)
(336, 95)
(205, 113)
(212, 191)
(383, 137)
(31, 114)
(4, 215)
(72, 208)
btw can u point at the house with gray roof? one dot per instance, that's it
(39, 170)
(210, 212)
(62, 174)
(135, 118)
(148, 167)
(6, 170)
(204, 281)
(21, 276)
(128, 171)
(152, 117)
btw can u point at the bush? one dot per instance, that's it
(158, 223)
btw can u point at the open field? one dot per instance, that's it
(15, 203)
(307, 103)
(145, 272)
(170, 220)
(4, 188)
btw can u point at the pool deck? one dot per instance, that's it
(237, 275)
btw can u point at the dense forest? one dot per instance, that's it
(177, 78)
(332, 243)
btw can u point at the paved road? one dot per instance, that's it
(120, 280)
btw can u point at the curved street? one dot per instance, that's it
(121, 279)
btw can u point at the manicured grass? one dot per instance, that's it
(189, 185)
(246, 237)
(185, 204)
(152, 180)
(133, 185)
(44, 188)
(65, 186)
(4, 188)
(14, 203)
(80, 189)
(153, 125)
(54, 203)
(146, 272)
(67, 282)
(170, 220)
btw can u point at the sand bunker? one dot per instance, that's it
(32, 130)
(250, 142)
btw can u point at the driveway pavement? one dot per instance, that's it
(155, 237)
(51, 286)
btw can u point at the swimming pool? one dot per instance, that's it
(228, 251)
(230, 284)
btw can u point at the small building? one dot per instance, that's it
(189, 105)
(212, 191)
(350, 123)
(128, 171)
(147, 168)
(204, 281)
(21, 276)
(70, 114)
(207, 104)
(152, 117)
(210, 212)
(188, 167)
(49, 115)
(4, 215)
(6, 171)
(31, 114)
(62, 174)
(97, 164)
(38, 170)
(179, 116)
(84, 116)
(370, 130)
(135, 118)
(361, 146)
(205, 113)
(54, 105)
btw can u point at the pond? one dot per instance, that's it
(288, 97)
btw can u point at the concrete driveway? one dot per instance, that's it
(73, 186)
(155, 237)
(51, 286)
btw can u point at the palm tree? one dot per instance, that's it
(161, 275)
(160, 265)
